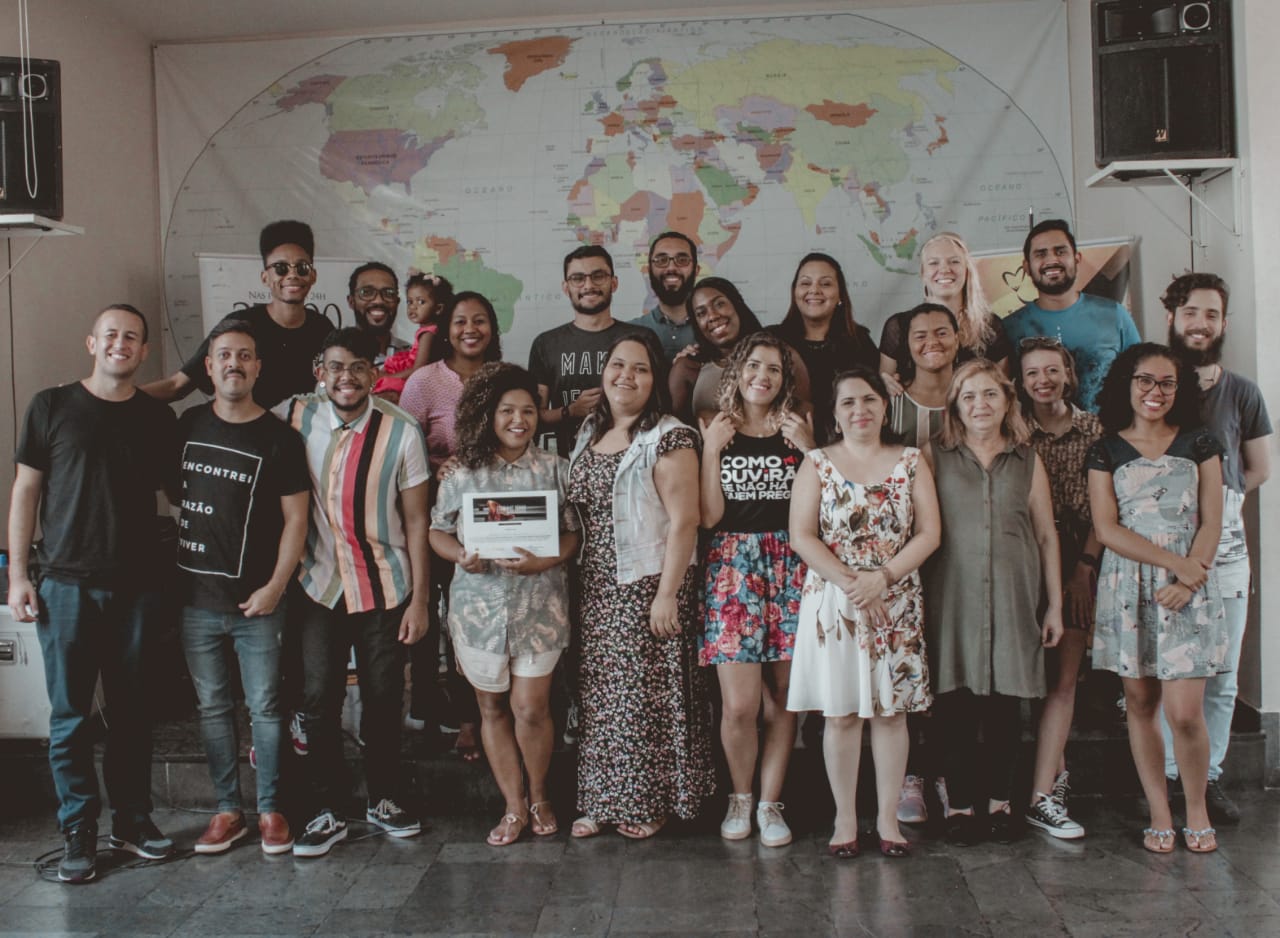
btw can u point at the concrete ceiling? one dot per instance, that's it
(206, 20)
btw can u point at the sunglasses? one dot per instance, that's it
(282, 268)
(1032, 342)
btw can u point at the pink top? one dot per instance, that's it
(431, 396)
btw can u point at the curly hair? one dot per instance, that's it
(729, 395)
(443, 348)
(659, 402)
(1115, 408)
(1013, 427)
(1179, 290)
(477, 444)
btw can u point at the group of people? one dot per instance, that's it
(891, 533)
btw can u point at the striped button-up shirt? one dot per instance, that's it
(356, 543)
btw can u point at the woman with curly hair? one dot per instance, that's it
(751, 450)
(1155, 487)
(509, 618)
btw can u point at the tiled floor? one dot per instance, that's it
(448, 882)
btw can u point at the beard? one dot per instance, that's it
(594, 306)
(669, 296)
(362, 320)
(1054, 289)
(1196, 358)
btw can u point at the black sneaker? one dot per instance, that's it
(141, 837)
(1002, 827)
(963, 830)
(1051, 817)
(1222, 810)
(323, 831)
(393, 819)
(79, 854)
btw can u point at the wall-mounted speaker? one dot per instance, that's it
(1162, 80)
(30, 137)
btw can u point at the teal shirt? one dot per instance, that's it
(1093, 328)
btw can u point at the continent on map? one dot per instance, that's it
(529, 57)
(369, 158)
(467, 270)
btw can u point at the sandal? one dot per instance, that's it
(1158, 841)
(508, 831)
(585, 826)
(641, 831)
(895, 849)
(846, 851)
(1205, 841)
(543, 819)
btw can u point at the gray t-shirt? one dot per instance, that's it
(1234, 411)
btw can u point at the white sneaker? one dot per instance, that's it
(911, 806)
(1051, 817)
(737, 820)
(773, 829)
(940, 786)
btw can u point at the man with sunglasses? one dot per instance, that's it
(364, 581)
(673, 267)
(1234, 411)
(567, 361)
(289, 333)
(1093, 328)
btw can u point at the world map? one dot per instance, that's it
(486, 157)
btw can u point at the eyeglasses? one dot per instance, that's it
(1032, 342)
(663, 261)
(598, 277)
(282, 268)
(355, 369)
(390, 294)
(1147, 382)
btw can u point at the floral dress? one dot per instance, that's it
(842, 664)
(644, 748)
(1159, 499)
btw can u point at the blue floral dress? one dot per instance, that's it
(842, 663)
(1158, 499)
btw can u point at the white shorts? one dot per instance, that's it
(490, 672)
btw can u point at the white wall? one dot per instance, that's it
(109, 186)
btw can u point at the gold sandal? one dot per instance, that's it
(508, 831)
(1158, 841)
(543, 826)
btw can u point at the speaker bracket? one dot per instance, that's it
(1187, 175)
(26, 225)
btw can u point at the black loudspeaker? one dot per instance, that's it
(1162, 80)
(30, 137)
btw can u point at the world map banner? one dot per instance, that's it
(486, 156)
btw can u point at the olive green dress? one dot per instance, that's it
(982, 586)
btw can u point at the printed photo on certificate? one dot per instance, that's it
(495, 523)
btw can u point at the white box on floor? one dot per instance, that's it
(24, 702)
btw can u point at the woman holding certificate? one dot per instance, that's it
(644, 747)
(508, 616)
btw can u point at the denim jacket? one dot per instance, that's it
(640, 522)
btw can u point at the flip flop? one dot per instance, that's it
(1205, 841)
(1157, 841)
(542, 826)
(585, 826)
(641, 831)
(508, 831)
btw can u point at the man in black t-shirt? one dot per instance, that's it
(568, 361)
(245, 497)
(91, 457)
(288, 334)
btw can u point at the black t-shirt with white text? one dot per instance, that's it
(233, 477)
(756, 475)
(102, 464)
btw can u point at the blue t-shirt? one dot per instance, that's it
(1093, 328)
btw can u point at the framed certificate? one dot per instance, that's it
(495, 523)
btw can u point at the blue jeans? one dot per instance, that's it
(1219, 695)
(327, 638)
(206, 637)
(83, 631)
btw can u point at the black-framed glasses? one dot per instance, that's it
(358, 369)
(598, 277)
(390, 294)
(1148, 382)
(663, 261)
(282, 268)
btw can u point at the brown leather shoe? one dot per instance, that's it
(276, 837)
(225, 828)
